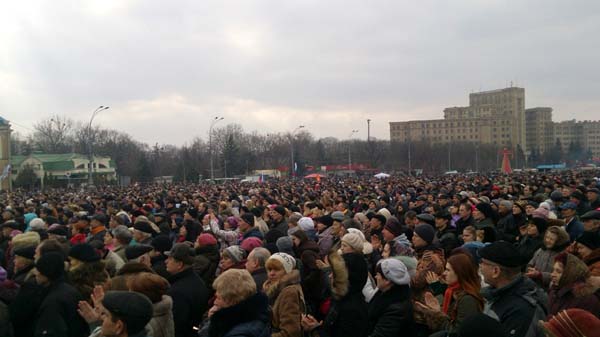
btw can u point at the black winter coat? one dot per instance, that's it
(23, 309)
(391, 313)
(190, 301)
(507, 228)
(517, 306)
(58, 314)
(249, 318)
(206, 263)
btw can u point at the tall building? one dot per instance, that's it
(5, 131)
(492, 117)
(499, 117)
(539, 129)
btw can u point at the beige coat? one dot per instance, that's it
(287, 303)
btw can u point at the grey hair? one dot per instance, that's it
(122, 234)
(261, 255)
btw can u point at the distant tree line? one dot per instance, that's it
(237, 152)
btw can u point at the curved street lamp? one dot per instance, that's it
(90, 141)
(292, 135)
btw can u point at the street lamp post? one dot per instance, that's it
(292, 135)
(350, 149)
(212, 124)
(90, 145)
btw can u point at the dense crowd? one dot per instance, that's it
(457, 255)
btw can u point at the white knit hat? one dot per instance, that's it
(286, 260)
(306, 224)
(354, 240)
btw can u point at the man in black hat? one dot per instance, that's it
(591, 221)
(593, 198)
(278, 220)
(57, 315)
(511, 298)
(573, 226)
(445, 234)
(5, 230)
(125, 314)
(188, 291)
(97, 227)
(142, 232)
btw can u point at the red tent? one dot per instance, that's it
(315, 176)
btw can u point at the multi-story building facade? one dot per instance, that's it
(499, 117)
(492, 117)
(539, 129)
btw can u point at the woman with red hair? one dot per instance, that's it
(461, 299)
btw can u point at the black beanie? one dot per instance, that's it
(425, 232)
(248, 218)
(84, 252)
(51, 265)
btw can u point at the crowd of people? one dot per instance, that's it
(457, 255)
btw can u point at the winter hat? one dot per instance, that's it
(280, 210)
(235, 253)
(306, 224)
(232, 221)
(506, 203)
(503, 253)
(286, 260)
(206, 239)
(162, 243)
(337, 216)
(480, 324)
(572, 323)
(285, 244)
(37, 223)
(133, 308)
(410, 262)
(250, 243)
(395, 271)
(556, 195)
(27, 252)
(367, 247)
(325, 220)
(26, 239)
(425, 232)
(589, 239)
(51, 265)
(133, 252)
(354, 240)
(385, 212)
(393, 226)
(248, 218)
(540, 213)
(84, 252)
(58, 230)
(540, 223)
(485, 209)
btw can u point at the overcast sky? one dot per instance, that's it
(167, 67)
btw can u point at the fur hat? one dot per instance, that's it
(26, 239)
(51, 265)
(250, 243)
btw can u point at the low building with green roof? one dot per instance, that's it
(72, 167)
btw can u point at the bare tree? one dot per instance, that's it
(54, 134)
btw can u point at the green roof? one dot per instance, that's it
(53, 162)
(58, 166)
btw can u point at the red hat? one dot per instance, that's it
(206, 239)
(573, 323)
(250, 243)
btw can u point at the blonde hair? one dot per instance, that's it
(235, 285)
(273, 264)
